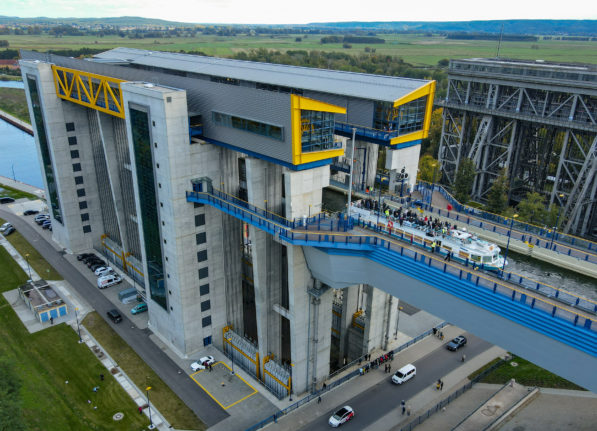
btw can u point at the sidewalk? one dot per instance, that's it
(340, 395)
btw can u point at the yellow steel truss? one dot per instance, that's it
(99, 92)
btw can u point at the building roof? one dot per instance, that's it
(360, 85)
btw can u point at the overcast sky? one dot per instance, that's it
(305, 11)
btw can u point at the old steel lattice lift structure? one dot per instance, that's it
(536, 119)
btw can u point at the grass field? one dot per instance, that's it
(44, 361)
(37, 262)
(174, 410)
(14, 193)
(418, 50)
(13, 101)
(525, 373)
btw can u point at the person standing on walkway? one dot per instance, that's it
(463, 357)
(438, 384)
(403, 405)
(441, 385)
(319, 400)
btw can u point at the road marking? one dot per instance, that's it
(214, 398)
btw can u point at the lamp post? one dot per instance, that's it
(397, 320)
(78, 327)
(291, 365)
(555, 228)
(434, 165)
(151, 425)
(354, 131)
(508, 244)
(28, 266)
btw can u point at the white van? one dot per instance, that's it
(404, 374)
(108, 280)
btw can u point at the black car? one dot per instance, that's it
(6, 200)
(89, 258)
(97, 262)
(84, 256)
(456, 343)
(115, 316)
(30, 212)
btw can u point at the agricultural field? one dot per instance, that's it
(418, 50)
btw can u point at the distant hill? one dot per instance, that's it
(514, 27)
(534, 27)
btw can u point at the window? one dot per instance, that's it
(72, 140)
(78, 180)
(202, 256)
(86, 228)
(251, 126)
(317, 131)
(83, 205)
(201, 238)
(203, 273)
(85, 217)
(70, 127)
(199, 219)
(205, 305)
(206, 321)
(76, 167)
(207, 341)
(204, 289)
(74, 154)
(80, 192)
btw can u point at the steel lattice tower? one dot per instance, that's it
(536, 119)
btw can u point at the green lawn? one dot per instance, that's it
(44, 361)
(525, 373)
(14, 193)
(37, 262)
(13, 101)
(166, 401)
(416, 49)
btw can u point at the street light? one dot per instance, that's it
(28, 266)
(78, 328)
(508, 244)
(398, 320)
(151, 425)
(555, 228)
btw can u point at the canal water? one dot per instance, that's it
(517, 263)
(18, 155)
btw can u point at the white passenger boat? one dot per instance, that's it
(463, 246)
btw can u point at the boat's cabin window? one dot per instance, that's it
(476, 258)
(487, 259)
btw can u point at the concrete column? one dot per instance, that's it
(376, 312)
(350, 297)
(365, 165)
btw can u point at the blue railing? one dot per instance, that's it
(533, 235)
(522, 306)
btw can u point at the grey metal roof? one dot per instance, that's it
(361, 85)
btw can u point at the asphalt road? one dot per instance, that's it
(192, 395)
(385, 397)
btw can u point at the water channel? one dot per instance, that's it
(517, 263)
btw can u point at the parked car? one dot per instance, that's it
(115, 316)
(5, 226)
(39, 219)
(96, 261)
(103, 270)
(97, 266)
(47, 224)
(404, 374)
(202, 363)
(108, 280)
(6, 200)
(341, 416)
(89, 258)
(84, 256)
(456, 343)
(139, 308)
(9, 230)
(30, 212)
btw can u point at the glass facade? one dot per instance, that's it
(317, 131)
(263, 129)
(148, 202)
(403, 119)
(45, 151)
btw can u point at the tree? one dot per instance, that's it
(430, 145)
(497, 198)
(532, 208)
(429, 169)
(10, 398)
(464, 180)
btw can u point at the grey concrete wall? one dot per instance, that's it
(568, 362)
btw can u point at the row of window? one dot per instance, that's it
(74, 154)
(256, 127)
